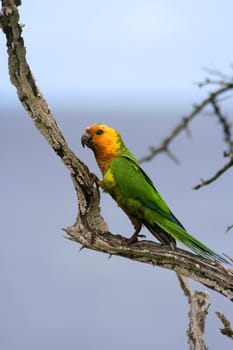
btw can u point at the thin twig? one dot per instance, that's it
(215, 176)
(227, 330)
(226, 126)
(229, 228)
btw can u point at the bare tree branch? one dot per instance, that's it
(182, 126)
(227, 330)
(226, 127)
(215, 176)
(212, 100)
(90, 229)
(164, 146)
(197, 315)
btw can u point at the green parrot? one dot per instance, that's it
(133, 190)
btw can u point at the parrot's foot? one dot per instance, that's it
(134, 238)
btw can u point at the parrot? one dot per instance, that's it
(135, 193)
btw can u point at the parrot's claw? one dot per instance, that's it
(134, 238)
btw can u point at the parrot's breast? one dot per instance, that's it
(109, 184)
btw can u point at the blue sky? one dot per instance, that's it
(118, 49)
(122, 63)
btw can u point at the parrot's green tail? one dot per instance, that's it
(201, 249)
(180, 234)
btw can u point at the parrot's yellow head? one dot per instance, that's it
(105, 142)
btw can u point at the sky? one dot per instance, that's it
(124, 63)
(121, 49)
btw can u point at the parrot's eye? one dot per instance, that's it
(99, 132)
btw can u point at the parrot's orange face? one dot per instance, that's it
(104, 141)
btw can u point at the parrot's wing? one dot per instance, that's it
(135, 183)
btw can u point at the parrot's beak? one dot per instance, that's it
(86, 140)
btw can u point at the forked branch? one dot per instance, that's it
(197, 315)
